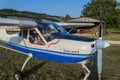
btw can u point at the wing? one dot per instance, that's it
(68, 25)
(17, 23)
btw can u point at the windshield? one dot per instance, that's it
(50, 30)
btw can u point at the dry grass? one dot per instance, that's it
(38, 69)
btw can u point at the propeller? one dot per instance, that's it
(100, 44)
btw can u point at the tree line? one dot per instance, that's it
(8, 13)
(110, 9)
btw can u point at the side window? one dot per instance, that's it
(46, 31)
(20, 33)
(35, 38)
(25, 32)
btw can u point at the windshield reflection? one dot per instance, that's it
(50, 30)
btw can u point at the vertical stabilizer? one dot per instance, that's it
(6, 37)
(3, 33)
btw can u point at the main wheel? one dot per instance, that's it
(81, 77)
(18, 75)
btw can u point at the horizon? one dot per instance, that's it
(55, 7)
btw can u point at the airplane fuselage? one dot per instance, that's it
(58, 45)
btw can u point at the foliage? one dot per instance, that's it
(110, 9)
(67, 17)
(28, 15)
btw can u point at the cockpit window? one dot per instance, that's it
(48, 28)
(35, 38)
(50, 31)
(23, 33)
(53, 29)
(47, 31)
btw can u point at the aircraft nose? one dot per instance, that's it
(101, 44)
(106, 44)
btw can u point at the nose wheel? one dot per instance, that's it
(85, 73)
(18, 75)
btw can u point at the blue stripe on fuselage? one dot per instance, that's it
(72, 37)
(49, 55)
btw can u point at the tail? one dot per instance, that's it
(6, 37)
(3, 34)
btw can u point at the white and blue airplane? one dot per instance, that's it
(50, 41)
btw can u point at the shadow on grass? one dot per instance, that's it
(34, 69)
(92, 66)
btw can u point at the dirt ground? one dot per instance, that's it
(113, 42)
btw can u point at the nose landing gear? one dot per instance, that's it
(18, 74)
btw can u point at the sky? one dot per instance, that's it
(51, 7)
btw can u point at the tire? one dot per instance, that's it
(81, 76)
(18, 75)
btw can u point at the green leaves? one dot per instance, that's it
(67, 17)
(111, 11)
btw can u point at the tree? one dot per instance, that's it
(67, 17)
(110, 8)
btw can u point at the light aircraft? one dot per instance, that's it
(50, 41)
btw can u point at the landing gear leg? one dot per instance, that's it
(86, 72)
(18, 74)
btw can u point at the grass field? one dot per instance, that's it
(37, 69)
(115, 37)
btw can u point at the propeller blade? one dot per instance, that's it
(101, 24)
(100, 45)
(99, 63)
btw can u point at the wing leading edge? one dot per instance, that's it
(16, 22)
(75, 24)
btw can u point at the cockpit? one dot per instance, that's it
(43, 33)
(50, 30)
